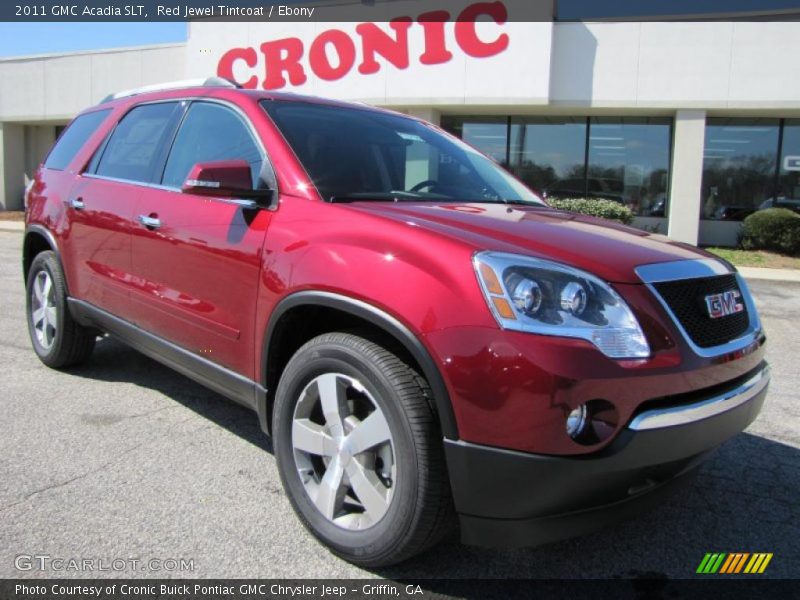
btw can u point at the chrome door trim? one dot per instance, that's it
(242, 202)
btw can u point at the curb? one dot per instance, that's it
(759, 273)
(12, 226)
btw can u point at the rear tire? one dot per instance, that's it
(359, 451)
(57, 339)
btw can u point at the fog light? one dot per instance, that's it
(577, 421)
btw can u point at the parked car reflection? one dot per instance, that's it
(781, 202)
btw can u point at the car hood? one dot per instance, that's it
(604, 248)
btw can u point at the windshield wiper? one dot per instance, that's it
(343, 198)
(404, 197)
(503, 201)
(400, 197)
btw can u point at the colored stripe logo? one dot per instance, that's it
(733, 563)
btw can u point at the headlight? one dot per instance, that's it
(548, 298)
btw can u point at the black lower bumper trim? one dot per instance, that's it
(511, 533)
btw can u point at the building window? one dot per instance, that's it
(788, 195)
(549, 154)
(629, 161)
(740, 164)
(626, 160)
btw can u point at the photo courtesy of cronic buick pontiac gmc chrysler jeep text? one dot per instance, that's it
(429, 345)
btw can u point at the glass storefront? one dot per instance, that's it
(740, 165)
(626, 160)
(789, 179)
(749, 163)
(549, 153)
(629, 161)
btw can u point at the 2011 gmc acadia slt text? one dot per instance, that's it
(428, 343)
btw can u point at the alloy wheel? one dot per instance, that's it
(44, 315)
(344, 451)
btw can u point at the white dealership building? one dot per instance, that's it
(693, 124)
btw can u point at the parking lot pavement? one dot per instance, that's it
(124, 458)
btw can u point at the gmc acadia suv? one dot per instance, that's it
(427, 342)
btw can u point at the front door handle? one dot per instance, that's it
(149, 221)
(77, 203)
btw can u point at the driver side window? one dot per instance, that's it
(422, 163)
(424, 167)
(211, 132)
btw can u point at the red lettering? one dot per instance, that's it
(467, 35)
(375, 40)
(225, 66)
(332, 54)
(318, 57)
(279, 56)
(436, 51)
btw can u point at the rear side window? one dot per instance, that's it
(211, 132)
(73, 139)
(134, 149)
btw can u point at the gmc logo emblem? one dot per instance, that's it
(724, 304)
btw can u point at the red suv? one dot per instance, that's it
(427, 342)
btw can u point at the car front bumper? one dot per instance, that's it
(511, 498)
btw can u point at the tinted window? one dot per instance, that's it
(211, 132)
(739, 166)
(354, 154)
(74, 138)
(133, 151)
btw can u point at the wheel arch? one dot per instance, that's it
(38, 239)
(342, 312)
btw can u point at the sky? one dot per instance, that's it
(21, 39)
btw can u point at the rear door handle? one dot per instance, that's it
(150, 222)
(77, 203)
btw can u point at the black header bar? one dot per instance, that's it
(385, 10)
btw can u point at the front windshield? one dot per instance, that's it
(357, 154)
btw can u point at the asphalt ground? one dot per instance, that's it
(124, 458)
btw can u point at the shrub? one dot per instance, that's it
(595, 207)
(776, 229)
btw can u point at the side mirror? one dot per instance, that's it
(225, 179)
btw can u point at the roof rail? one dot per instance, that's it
(173, 85)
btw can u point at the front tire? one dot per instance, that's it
(359, 451)
(56, 338)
